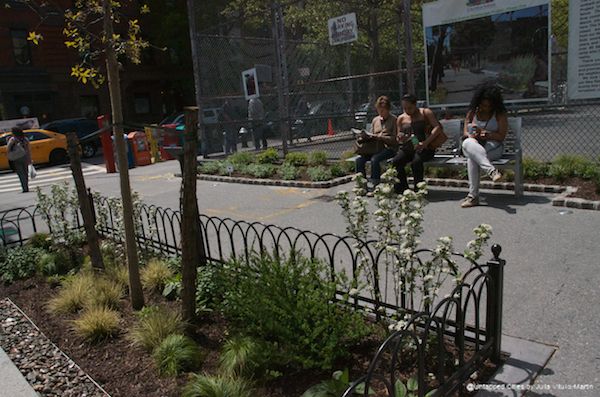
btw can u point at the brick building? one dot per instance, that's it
(36, 79)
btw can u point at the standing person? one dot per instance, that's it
(417, 128)
(486, 126)
(256, 116)
(19, 155)
(383, 129)
(229, 131)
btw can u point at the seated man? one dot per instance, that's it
(417, 129)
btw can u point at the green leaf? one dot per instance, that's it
(412, 384)
(360, 390)
(319, 390)
(400, 389)
(430, 393)
(337, 375)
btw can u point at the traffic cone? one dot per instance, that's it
(330, 131)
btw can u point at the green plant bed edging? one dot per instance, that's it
(277, 182)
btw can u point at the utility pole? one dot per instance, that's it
(283, 88)
(400, 55)
(191, 6)
(410, 70)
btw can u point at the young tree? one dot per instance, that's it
(101, 31)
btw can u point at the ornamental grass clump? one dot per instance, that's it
(97, 323)
(397, 226)
(74, 295)
(176, 354)
(218, 386)
(154, 324)
(155, 275)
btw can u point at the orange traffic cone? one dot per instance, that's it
(330, 130)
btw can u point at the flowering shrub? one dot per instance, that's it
(398, 225)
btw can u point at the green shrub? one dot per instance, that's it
(318, 157)
(318, 174)
(336, 386)
(106, 293)
(244, 158)
(155, 275)
(154, 324)
(559, 172)
(173, 287)
(211, 283)
(74, 295)
(54, 263)
(534, 169)
(176, 354)
(212, 167)
(287, 303)
(217, 386)
(118, 274)
(342, 168)
(347, 155)
(97, 323)
(297, 159)
(262, 170)
(269, 156)
(289, 172)
(41, 240)
(20, 263)
(568, 165)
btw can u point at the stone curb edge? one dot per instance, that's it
(55, 346)
(277, 182)
(573, 202)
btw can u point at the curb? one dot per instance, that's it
(528, 187)
(277, 182)
(573, 202)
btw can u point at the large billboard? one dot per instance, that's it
(584, 49)
(469, 43)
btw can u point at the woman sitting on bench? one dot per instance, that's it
(383, 130)
(486, 126)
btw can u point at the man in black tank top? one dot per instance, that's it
(417, 129)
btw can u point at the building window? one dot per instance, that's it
(142, 103)
(21, 48)
(89, 106)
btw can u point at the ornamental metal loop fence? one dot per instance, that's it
(314, 92)
(452, 333)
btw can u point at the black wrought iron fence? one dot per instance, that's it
(466, 315)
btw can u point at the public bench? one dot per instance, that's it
(448, 154)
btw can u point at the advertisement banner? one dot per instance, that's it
(471, 43)
(584, 49)
(25, 124)
(343, 29)
(250, 83)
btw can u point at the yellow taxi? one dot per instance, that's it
(46, 147)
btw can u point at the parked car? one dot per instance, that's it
(83, 128)
(46, 147)
(210, 118)
(315, 120)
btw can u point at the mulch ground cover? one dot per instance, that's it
(123, 370)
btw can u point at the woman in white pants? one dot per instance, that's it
(486, 126)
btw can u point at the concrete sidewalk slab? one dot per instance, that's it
(12, 382)
(519, 372)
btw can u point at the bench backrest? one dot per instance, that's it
(454, 130)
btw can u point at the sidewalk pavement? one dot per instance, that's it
(12, 382)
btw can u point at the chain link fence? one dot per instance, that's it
(331, 89)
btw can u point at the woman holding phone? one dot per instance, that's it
(486, 126)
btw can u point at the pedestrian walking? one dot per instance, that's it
(19, 156)
(256, 116)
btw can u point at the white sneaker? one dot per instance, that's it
(495, 175)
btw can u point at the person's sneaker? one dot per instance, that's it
(495, 175)
(469, 201)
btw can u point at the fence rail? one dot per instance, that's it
(466, 322)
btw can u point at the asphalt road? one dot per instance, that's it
(552, 272)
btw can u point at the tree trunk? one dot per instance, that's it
(190, 249)
(84, 203)
(112, 68)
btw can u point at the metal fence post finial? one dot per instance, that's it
(495, 296)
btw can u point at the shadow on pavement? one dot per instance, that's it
(503, 201)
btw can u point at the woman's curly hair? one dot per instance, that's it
(490, 93)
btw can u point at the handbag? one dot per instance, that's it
(439, 140)
(368, 147)
(16, 152)
(32, 172)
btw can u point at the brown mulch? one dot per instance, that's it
(123, 370)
